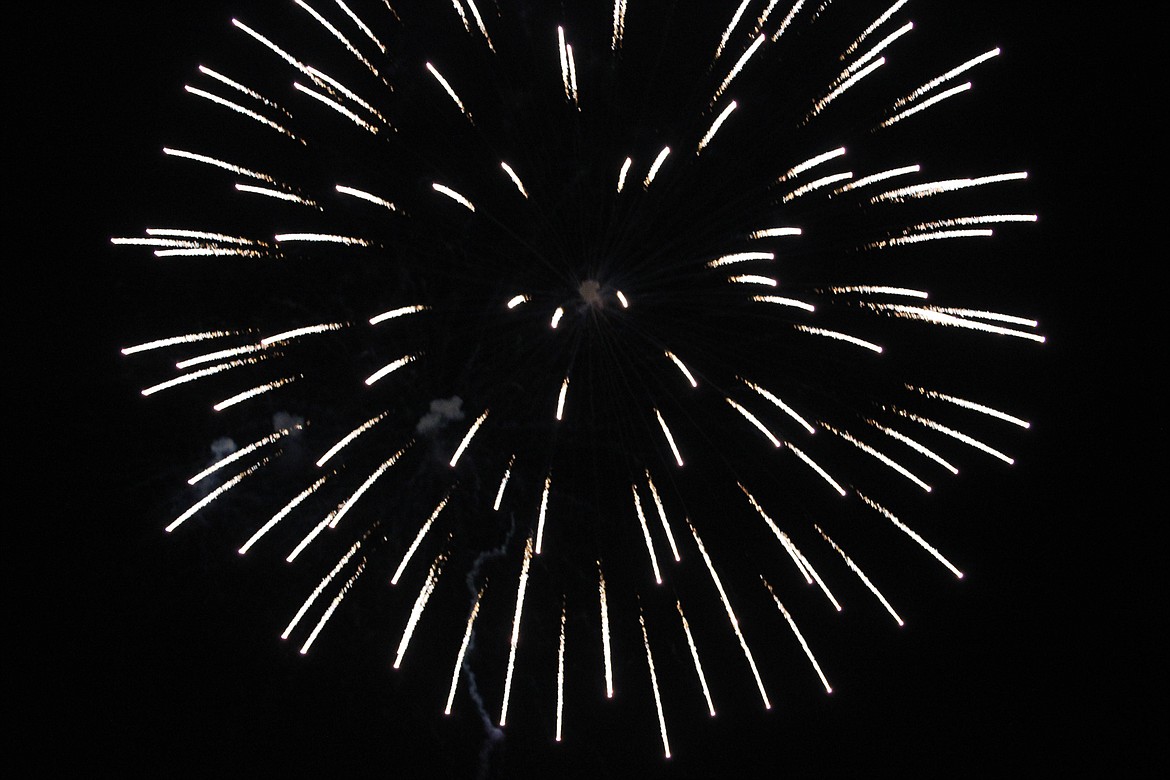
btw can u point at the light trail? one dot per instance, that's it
(420, 603)
(283, 513)
(219, 491)
(335, 516)
(366, 196)
(240, 453)
(467, 437)
(422, 532)
(909, 532)
(975, 407)
(857, 570)
(463, 650)
(654, 684)
(606, 651)
(561, 400)
(401, 311)
(682, 367)
(453, 195)
(646, 535)
(503, 484)
(868, 450)
(450, 93)
(662, 517)
(349, 437)
(520, 588)
(799, 637)
(813, 465)
(695, 658)
(756, 422)
(561, 674)
(669, 438)
(776, 401)
(390, 368)
(832, 334)
(543, 512)
(308, 602)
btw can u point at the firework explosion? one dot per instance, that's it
(602, 327)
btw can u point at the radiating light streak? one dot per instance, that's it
(515, 179)
(867, 289)
(654, 684)
(331, 103)
(832, 334)
(857, 570)
(622, 173)
(420, 603)
(695, 658)
(320, 588)
(622, 299)
(823, 103)
(467, 437)
(556, 318)
(755, 421)
(190, 338)
(719, 120)
(283, 513)
(909, 532)
(335, 516)
(930, 188)
(561, 674)
(868, 450)
(662, 517)
(361, 567)
(919, 238)
(776, 401)
(479, 23)
(422, 532)
(747, 653)
(572, 76)
(240, 110)
(170, 242)
(451, 93)
(362, 26)
(219, 491)
(669, 438)
(735, 69)
(740, 257)
(330, 84)
(543, 512)
(775, 232)
(222, 79)
(308, 330)
(812, 186)
(619, 24)
(918, 447)
(939, 317)
(987, 315)
(812, 162)
(453, 195)
(338, 35)
(753, 279)
(223, 354)
(682, 367)
(799, 637)
(200, 234)
(731, 26)
(462, 15)
(950, 74)
(313, 533)
(402, 311)
(813, 465)
(605, 646)
(561, 399)
(390, 368)
(520, 588)
(463, 650)
(661, 158)
(320, 238)
(976, 407)
(876, 177)
(564, 57)
(881, 46)
(516, 300)
(876, 24)
(782, 301)
(926, 104)
(227, 166)
(968, 440)
(201, 373)
(786, 21)
(646, 535)
(503, 484)
(208, 251)
(366, 196)
(238, 454)
(279, 52)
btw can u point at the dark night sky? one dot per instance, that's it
(149, 655)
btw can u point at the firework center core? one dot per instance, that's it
(590, 291)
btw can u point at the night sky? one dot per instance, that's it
(148, 654)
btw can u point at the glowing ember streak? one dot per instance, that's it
(669, 438)
(735, 69)
(654, 684)
(450, 92)
(646, 535)
(682, 367)
(832, 334)
(857, 570)
(463, 651)
(361, 567)
(740, 257)
(308, 330)
(968, 440)
(366, 196)
(564, 59)
(467, 437)
(782, 301)
(320, 238)
(881, 46)
(362, 26)
(731, 616)
(399, 312)
(543, 512)
(918, 447)
(335, 517)
(876, 177)
(731, 26)
(906, 530)
(420, 603)
(622, 173)
(775, 232)
(516, 300)
(876, 24)
(816, 185)
(479, 23)
(950, 74)
(813, 162)
(219, 491)
(605, 648)
(695, 657)
(572, 75)
(753, 279)
(277, 194)
(919, 238)
(227, 166)
(719, 120)
(190, 338)
(868, 450)
(661, 158)
(926, 104)
(320, 588)
(239, 110)
(503, 484)
(972, 406)
(619, 23)
(779, 404)
(462, 16)
(879, 290)
(390, 368)
(223, 354)
(662, 517)
(931, 188)
(556, 318)
(201, 373)
(754, 421)
(622, 299)
(520, 588)
(515, 179)
(561, 674)
(337, 34)
(453, 195)
(422, 532)
(800, 638)
(812, 464)
(939, 317)
(787, 19)
(240, 453)
(561, 399)
(987, 315)
(823, 103)
(283, 513)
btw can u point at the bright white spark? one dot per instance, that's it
(622, 299)
(561, 50)
(919, 238)
(813, 465)
(572, 76)
(661, 158)
(987, 315)
(453, 195)
(876, 24)
(779, 404)
(332, 607)
(238, 454)
(740, 257)
(787, 19)
(450, 92)
(950, 74)
(212, 357)
(516, 300)
(735, 69)
(879, 290)
(695, 657)
(662, 517)
(881, 46)
(940, 317)
(422, 532)
(319, 589)
(219, 491)
(366, 196)
(462, 652)
(222, 79)
(906, 530)
(308, 330)
(654, 684)
(868, 450)
(832, 334)
(190, 338)
(503, 484)
(968, 440)
(731, 26)
(335, 517)
(556, 318)
(321, 238)
(201, 373)
(390, 368)
(543, 512)
(276, 518)
(337, 34)
(775, 232)
(619, 24)
(605, 648)
(755, 421)
(515, 179)
(646, 535)
(362, 26)
(520, 588)
(239, 110)
(782, 301)
(753, 279)
(468, 436)
(876, 177)
(561, 675)
(926, 104)
(812, 162)
(561, 399)
(812, 186)
(823, 103)
(622, 173)
(927, 189)
(479, 23)
(731, 616)
(719, 120)
(857, 570)
(399, 312)
(972, 406)
(916, 446)
(669, 438)
(420, 603)
(800, 638)
(682, 367)
(227, 166)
